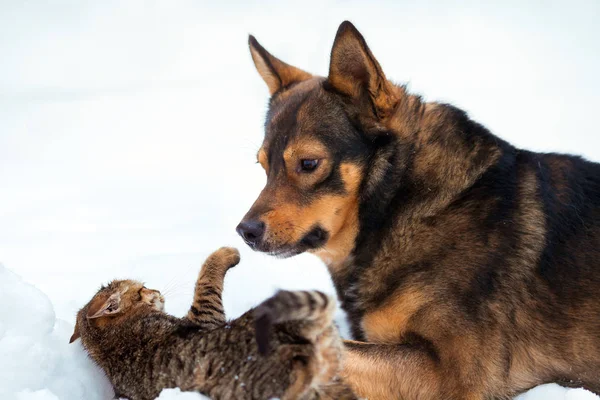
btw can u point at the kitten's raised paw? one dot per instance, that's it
(225, 257)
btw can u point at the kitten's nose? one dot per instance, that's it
(251, 231)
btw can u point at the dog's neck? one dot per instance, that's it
(433, 154)
(339, 247)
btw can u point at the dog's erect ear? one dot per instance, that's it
(274, 72)
(100, 308)
(354, 71)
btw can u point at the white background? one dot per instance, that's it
(129, 129)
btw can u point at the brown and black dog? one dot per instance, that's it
(469, 269)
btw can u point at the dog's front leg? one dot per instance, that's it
(397, 371)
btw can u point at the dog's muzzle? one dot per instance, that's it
(252, 232)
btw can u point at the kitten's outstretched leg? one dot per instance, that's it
(312, 313)
(207, 308)
(312, 310)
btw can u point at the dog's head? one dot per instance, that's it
(319, 137)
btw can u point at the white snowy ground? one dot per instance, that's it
(128, 134)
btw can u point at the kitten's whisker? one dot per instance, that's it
(169, 283)
(172, 289)
(175, 295)
(182, 286)
(174, 280)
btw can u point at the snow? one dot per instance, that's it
(36, 360)
(555, 392)
(129, 131)
(171, 394)
(43, 394)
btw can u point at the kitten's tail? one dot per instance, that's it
(315, 308)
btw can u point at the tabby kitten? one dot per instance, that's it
(287, 347)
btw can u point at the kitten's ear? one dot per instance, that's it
(275, 73)
(354, 71)
(100, 308)
(75, 334)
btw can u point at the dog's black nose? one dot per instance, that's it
(251, 231)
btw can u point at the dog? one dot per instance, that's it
(468, 268)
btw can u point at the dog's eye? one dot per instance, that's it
(308, 165)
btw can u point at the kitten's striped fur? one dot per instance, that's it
(144, 350)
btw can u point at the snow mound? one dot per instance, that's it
(36, 360)
(170, 394)
(556, 392)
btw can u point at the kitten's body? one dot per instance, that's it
(145, 355)
(144, 350)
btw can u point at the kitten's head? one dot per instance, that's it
(116, 301)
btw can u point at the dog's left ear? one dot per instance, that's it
(276, 74)
(354, 71)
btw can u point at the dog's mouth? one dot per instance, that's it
(314, 239)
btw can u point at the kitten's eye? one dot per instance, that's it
(308, 165)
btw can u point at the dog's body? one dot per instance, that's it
(469, 269)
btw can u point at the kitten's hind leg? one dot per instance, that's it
(302, 359)
(336, 389)
(312, 310)
(207, 308)
(312, 315)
